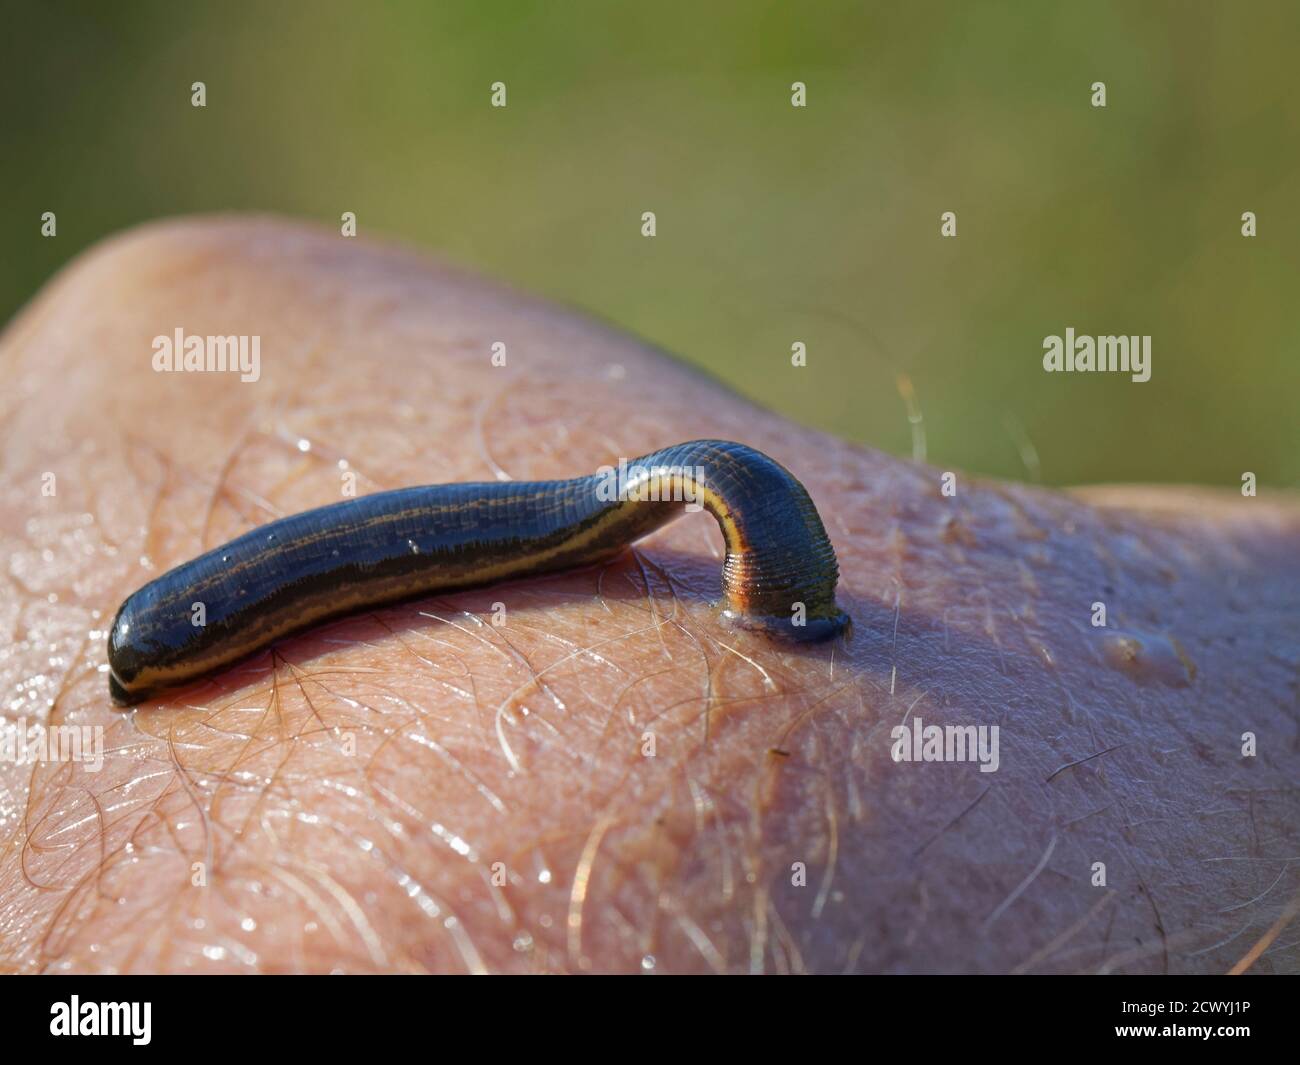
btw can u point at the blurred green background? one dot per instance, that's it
(775, 224)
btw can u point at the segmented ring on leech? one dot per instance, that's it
(779, 574)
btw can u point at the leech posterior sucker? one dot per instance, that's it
(779, 575)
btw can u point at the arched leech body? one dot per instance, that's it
(779, 574)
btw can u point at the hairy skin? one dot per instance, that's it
(343, 801)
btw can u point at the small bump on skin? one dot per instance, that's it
(1148, 658)
(380, 549)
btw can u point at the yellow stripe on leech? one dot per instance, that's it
(257, 558)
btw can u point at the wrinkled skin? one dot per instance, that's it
(342, 802)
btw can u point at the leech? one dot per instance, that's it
(779, 575)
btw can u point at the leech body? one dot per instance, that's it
(379, 549)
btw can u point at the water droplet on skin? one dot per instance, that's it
(544, 876)
(1148, 658)
(523, 942)
(648, 962)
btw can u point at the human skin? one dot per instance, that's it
(419, 788)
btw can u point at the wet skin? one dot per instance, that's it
(347, 801)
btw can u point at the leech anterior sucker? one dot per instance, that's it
(779, 575)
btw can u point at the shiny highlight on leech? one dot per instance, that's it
(778, 577)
